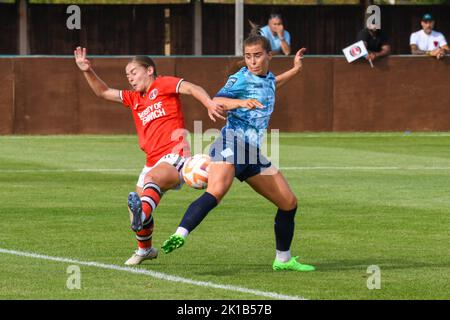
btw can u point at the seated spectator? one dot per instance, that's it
(376, 42)
(427, 41)
(279, 38)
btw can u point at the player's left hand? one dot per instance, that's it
(252, 104)
(298, 58)
(215, 110)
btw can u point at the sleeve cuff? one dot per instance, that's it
(177, 90)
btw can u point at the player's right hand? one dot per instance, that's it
(80, 58)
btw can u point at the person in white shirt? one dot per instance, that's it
(427, 41)
(278, 36)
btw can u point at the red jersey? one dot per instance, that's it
(158, 118)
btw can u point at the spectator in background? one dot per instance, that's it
(279, 38)
(427, 41)
(376, 42)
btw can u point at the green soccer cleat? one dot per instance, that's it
(174, 242)
(292, 264)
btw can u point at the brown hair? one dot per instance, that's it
(145, 62)
(255, 37)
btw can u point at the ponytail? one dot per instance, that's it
(255, 37)
(255, 30)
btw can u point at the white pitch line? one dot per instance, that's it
(153, 274)
(370, 135)
(67, 170)
(129, 170)
(364, 168)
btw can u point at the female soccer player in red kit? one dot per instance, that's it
(156, 108)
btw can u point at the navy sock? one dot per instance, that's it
(284, 228)
(197, 211)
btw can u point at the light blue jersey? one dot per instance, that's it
(249, 125)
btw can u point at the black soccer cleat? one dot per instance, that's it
(135, 210)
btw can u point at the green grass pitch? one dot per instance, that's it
(364, 199)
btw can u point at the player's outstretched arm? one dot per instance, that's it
(230, 104)
(214, 109)
(97, 85)
(288, 75)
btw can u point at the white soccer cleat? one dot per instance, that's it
(137, 259)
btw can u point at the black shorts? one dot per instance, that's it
(246, 158)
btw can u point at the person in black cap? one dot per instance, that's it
(376, 42)
(427, 41)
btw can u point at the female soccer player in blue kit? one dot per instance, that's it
(249, 95)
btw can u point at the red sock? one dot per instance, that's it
(150, 199)
(144, 237)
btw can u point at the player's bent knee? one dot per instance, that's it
(165, 179)
(289, 203)
(153, 177)
(218, 189)
(217, 192)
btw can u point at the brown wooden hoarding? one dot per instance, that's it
(48, 95)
